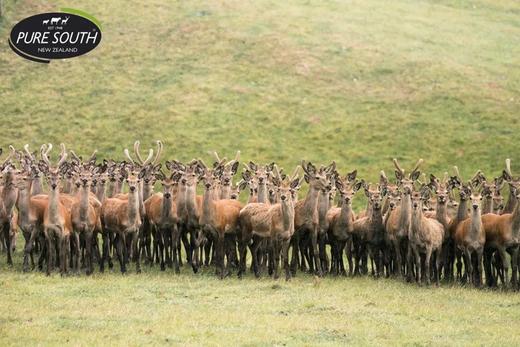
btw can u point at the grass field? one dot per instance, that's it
(359, 82)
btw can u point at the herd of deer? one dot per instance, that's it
(413, 228)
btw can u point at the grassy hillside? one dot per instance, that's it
(355, 81)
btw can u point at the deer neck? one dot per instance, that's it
(417, 216)
(441, 213)
(515, 221)
(100, 193)
(288, 214)
(83, 203)
(345, 214)
(133, 206)
(9, 195)
(323, 204)
(36, 186)
(487, 205)
(54, 201)
(208, 207)
(476, 223)
(111, 188)
(511, 202)
(23, 202)
(67, 186)
(166, 210)
(462, 212)
(405, 218)
(191, 197)
(262, 193)
(147, 190)
(311, 200)
(225, 192)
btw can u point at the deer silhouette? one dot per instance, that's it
(55, 20)
(45, 22)
(64, 21)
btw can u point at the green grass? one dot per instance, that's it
(163, 308)
(358, 82)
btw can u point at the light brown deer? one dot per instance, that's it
(470, 238)
(341, 222)
(425, 237)
(57, 225)
(306, 220)
(122, 218)
(273, 222)
(217, 217)
(161, 209)
(400, 219)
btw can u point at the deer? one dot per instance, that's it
(36, 186)
(306, 218)
(189, 206)
(425, 236)
(121, 217)
(511, 201)
(369, 232)
(341, 222)
(226, 180)
(57, 224)
(470, 238)
(8, 197)
(273, 222)
(323, 208)
(161, 209)
(399, 221)
(217, 217)
(503, 232)
(462, 214)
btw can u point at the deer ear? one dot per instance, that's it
(339, 185)
(358, 185)
(311, 168)
(270, 167)
(352, 176)
(157, 167)
(399, 175)
(507, 177)
(306, 178)
(415, 175)
(234, 167)
(242, 185)
(141, 174)
(295, 183)
(367, 194)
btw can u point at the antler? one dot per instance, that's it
(277, 172)
(149, 159)
(445, 178)
(74, 155)
(416, 167)
(508, 167)
(127, 155)
(63, 155)
(159, 151)
(295, 173)
(397, 166)
(26, 149)
(456, 169)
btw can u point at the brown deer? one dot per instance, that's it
(273, 222)
(217, 217)
(161, 209)
(36, 186)
(8, 196)
(503, 232)
(369, 232)
(425, 237)
(511, 201)
(400, 219)
(86, 219)
(57, 224)
(122, 218)
(341, 222)
(306, 220)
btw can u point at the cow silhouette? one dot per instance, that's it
(55, 20)
(45, 22)
(64, 21)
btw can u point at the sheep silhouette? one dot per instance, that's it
(45, 22)
(55, 20)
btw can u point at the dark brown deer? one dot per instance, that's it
(8, 196)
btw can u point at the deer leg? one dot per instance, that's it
(7, 237)
(505, 265)
(285, 259)
(317, 262)
(276, 250)
(50, 251)
(478, 268)
(514, 267)
(175, 243)
(26, 252)
(488, 253)
(324, 259)
(468, 266)
(242, 249)
(427, 265)
(43, 250)
(160, 248)
(111, 244)
(88, 249)
(120, 245)
(254, 252)
(135, 250)
(295, 241)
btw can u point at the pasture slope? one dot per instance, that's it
(355, 81)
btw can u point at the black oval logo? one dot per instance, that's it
(54, 35)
